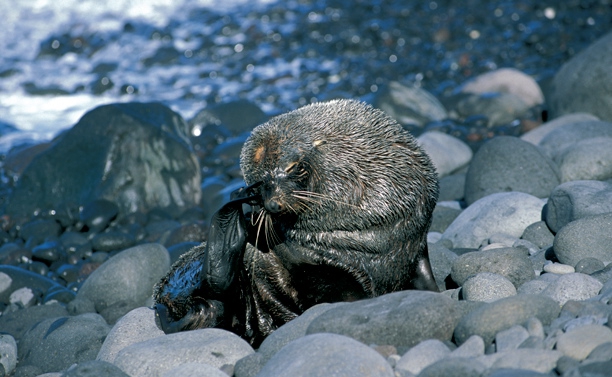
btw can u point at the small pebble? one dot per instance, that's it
(581, 341)
(558, 268)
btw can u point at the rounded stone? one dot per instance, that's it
(126, 281)
(489, 319)
(580, 341)
(588, 237)
(589, 159)
(569, 134)
(382, 320)
(511, 263)
(447, 152)
(537, 134)
(156, 356)
(8, 353)
(589, 265)
(506, 80)
(487, 287)
(194, 370)
(422, 355)
(573, 286)
(326, 355)
(558, 268)
(574, 200)
(583, 83)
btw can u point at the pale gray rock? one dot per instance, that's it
(589, 159)
(569, 134)
(474, 346)
(580, 341)
(588, 237)
(504, 212)
(574, 286)
(410, 104)
(574, 200)
(447, 152)
(542, 361)
(382, 320)
(136, 326)
(156, 356)
(487, 287)
(422, 355)
(326, 355)
(513, 264)
(511, 338)
(506, 80)
(125, 281)
(194, 370)
(537, 134)
(456, 367)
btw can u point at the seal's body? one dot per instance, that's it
(344, 199)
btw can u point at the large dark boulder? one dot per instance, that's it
(137, 155)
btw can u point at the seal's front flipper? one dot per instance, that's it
(424, 279)
(208, 313)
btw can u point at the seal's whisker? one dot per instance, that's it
(311, 196)
(259, 221)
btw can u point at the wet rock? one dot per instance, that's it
(582, 84)
(326, 354)
(8, 352)
(137, 155)
(126, 280)
(112, 240)
(14, 278)
(573, 200)
(505, 212)
(36, 231)
(509, 164)
(238, 117)
(97, 214)
(381, 320)
(16, 323)
(56, 343)
(156, 356)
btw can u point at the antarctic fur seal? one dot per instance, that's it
(341, 200)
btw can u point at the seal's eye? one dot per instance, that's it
(291, 168)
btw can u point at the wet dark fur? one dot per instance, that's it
(346, 202)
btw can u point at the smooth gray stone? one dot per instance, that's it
(489, 319)
(537, 134)
(588, 237)
(154, 357)
(126, 281)
(512, 263)
(456, 367)
(16, 323)
(422, 355)
(569, 134)
(574, 286)
(589, 159)
(507, 163)
(94, 368)
(326, 355)
(487, 287)
(447, 152)
(194, 370)
(382, 320)
(8, 353)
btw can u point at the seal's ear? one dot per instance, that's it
(316, 143)
(259, 154)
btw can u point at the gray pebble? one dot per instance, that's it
(589, 265)
(535, 328)
(487, 287)
(505, 212)
(579, 342)
(8, 353)
(16, 323)
(574, 200)
(422, 355)
(537, 134)
(506, 80)
(574, 286)
(535, 360)
(595, 369)
(533, 287)
(56, 343)
(125, 281)
(441, 260)
(456, 367)
(502, 314)
(382, 320)
(589, 159)
(326, 355)
(583, 238)
(510, 339)
(569, 134)
(447, 152)
(507, 163)
(513, 264)
(558, 268)
(602, 352)
(156, 356)
(474, 346)
(452, 187)
(136, 326)
(539, 234)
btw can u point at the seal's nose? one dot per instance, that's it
(272, 206)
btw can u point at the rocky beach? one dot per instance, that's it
(120, 136)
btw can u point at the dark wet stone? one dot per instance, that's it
(54, 344)
(589, 265)
(452, 187)
(192, 232)
(489, 319)
(381, 320)
(112, 240)
(179, 249)
(138, 154)
(61, 295)
(97, 214)
(18, 322)
(21, 278)
(36, 231)
(442, 217)
(68, 272)
(38, 268)
(510, 164)
(48, 252)
(14, 253)
(237, 116)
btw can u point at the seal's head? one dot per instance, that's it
(340, 165)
